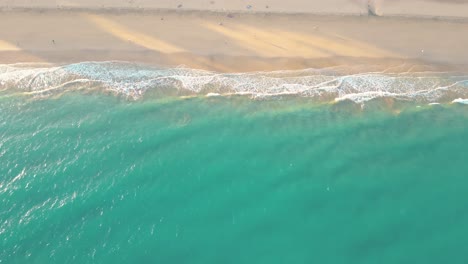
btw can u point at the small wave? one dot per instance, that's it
(460, 101)
(135, 80)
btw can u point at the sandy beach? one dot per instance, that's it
(234, 36)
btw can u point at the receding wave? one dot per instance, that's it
(328, 84)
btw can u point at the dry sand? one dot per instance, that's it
(236, 39)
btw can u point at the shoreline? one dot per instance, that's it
(230, 64)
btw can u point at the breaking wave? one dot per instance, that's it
(328, 84)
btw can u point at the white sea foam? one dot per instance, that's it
(134, 80)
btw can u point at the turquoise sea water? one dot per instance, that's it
(94, 177)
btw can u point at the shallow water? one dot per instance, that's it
(93, 177)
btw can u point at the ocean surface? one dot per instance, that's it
(123, 163)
